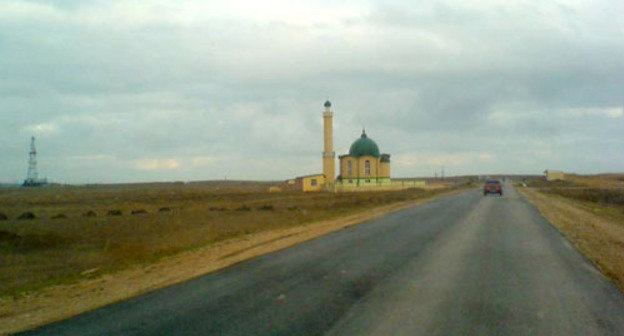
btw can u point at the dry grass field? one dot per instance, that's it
(91, 230)
(608, 181)
(589, 210)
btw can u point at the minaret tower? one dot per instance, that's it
(329, 163)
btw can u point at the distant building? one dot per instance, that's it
(314, 182)
(364, 168)
(364, 165)
(273, 189)
(554, 175)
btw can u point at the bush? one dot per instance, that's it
(217, 209)
(59, 216)
(89, 213)
(3, 216)
(164, 209)
(266, 207)
(138, 212)
(115, 212)
(26, 216)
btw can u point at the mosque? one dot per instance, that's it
(363, 168)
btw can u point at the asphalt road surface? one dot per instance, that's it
(463, 265)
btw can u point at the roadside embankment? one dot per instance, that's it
(595, 228)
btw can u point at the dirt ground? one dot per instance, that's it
(596, 230)
(107, 228)
(62, 301)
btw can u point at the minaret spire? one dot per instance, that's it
(329, 156)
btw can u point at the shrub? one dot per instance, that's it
(266, 207)
(164, 209)
(59, 216)
(138, 212)
(3, 216)
(217, 209)
(26, 215)
(89, 213)
(115, 212)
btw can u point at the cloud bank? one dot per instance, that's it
(119, 91)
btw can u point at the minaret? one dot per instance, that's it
(329, 165)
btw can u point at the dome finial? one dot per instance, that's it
(327, 103)
(364, 146)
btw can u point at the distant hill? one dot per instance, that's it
(9, 185)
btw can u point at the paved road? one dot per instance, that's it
(464, 265)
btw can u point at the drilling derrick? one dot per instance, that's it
(32, 177)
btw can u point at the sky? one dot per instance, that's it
(152, 90)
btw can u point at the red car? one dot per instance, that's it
(493, 186)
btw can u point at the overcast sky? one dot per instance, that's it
(120, 91)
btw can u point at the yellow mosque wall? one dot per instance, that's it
(374, 166)
(344, 168)
(377, 169)
(384, 169)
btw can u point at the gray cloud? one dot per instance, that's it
(155, 90)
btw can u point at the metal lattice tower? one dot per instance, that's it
(32, 177)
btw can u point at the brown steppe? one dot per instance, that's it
(56, 268)
(589, 211)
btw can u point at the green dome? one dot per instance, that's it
(364, 146)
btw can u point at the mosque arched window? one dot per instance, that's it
(349, 167)
(367, 168)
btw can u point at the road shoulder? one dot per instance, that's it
(598, 237)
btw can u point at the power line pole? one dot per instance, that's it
(32, 177)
